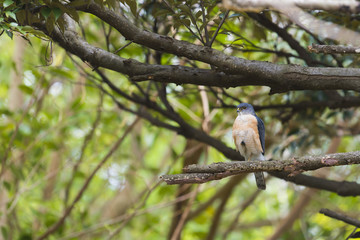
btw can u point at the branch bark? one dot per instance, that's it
(349, 6)
(343, 188)
(341, 217)
(328, 49)
(231, 71)
(281, 32)
(215, 171)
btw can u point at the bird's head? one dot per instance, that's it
(245, 108)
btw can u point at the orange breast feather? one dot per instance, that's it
(244, 123)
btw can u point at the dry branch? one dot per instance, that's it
(340, 216)
(296, 165)
(328, 49)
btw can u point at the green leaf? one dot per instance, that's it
(9, 33)
(7, 185)
(4, 232)
(50, 23)
(259, 32)
(161, 12)
(45, 12)
(111, 3)
(10, 14)
(76, 104)
(198, 14)
(73, 14)
(177, 24)
(133, 6)
(18, 172)
(7, 3)
(57, 13)
(217, 21)
(13, 24)
(80, 174)
(185, 9)
(26, 89)
(186, 22)
(235, 15)
(61, 24)
(5, 111)
(21, 16)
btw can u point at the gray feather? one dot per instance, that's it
(261, 129)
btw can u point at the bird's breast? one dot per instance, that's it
(244, 122)
(246, 135)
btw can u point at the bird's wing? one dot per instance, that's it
(261, 130)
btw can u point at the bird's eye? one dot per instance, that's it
(244, 107)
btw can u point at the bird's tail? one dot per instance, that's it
(260, 180)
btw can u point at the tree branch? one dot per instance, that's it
(343, 188)
(349, 6)
(340, 216)
(232, 71)
(215, 171)
(87, 182)
(328, 49)
(267, 23)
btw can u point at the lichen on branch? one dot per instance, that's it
(205, 173)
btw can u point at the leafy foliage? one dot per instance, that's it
(70, 117)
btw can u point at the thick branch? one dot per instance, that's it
(185, 129)
(340, 216)
(232, 71)
(328, 49)
(215, 171)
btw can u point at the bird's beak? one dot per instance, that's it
(238, 110)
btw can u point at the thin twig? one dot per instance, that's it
(219, 27)
(86, 141)
(4, 159)
(200, 38)
(123, 217)
(185, 214)
(118, 230)
(205, 23)
(243, 207)
(340, 216)
(118, 50)
(351, 234)
(67, 211)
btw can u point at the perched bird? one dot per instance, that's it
(249, 137)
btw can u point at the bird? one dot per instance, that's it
(249, 137)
